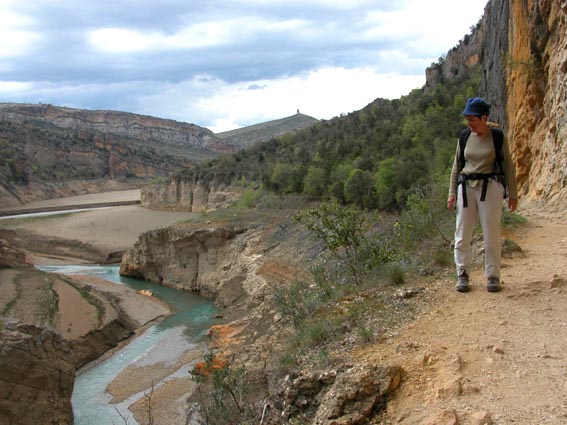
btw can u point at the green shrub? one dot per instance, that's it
(512, 219)
(366, 335)
(397, 274)
(249, 197)
(344, 231)
(227, 397)
(443, 257)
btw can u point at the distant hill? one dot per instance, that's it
(50, 151)
(252, 134)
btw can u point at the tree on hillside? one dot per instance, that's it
(370, 158)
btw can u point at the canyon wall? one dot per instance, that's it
(188, 195)
(36, 379)
(212, 260)
(143, 128)
(50, 152)
(537, 98)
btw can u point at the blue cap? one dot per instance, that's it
(476, 106)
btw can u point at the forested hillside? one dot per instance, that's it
(371, 158)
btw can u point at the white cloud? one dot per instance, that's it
(117, 40)
(9, 88)
(259, 59)
(326, 4)
(424, 25)
(204, 34)
(323, 94)
(16, 38)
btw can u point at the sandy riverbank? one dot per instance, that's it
(106, 230)
(92, 198)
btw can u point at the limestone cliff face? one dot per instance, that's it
(36, 377)
(521, 48)
(537, 100)
(141, 127)
(187, 195)
(213, 261)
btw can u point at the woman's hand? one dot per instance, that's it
(512, 204)
(452, 202)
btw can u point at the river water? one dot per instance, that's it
(165, 342)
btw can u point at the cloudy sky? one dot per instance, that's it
(223, 64)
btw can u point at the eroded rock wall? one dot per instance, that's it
(36, 377)
(213, 261)
(141, 127)
(187, 195)
(537, 100)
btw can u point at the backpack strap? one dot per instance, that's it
(498, 140)
(463, 137)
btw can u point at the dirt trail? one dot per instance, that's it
(485, 358)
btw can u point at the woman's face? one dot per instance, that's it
(476, 124)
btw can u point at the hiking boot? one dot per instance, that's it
(462, 282)
(493, 284)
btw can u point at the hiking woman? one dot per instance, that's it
(482, 172)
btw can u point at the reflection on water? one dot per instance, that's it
(163, 343)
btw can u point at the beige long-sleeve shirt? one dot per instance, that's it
(479, 159)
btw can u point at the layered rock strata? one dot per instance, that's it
(36, 377)
(140, 127)
(187, 195)
(210, 260)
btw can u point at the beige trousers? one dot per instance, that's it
(489, 213)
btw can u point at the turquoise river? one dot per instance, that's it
(164, 342)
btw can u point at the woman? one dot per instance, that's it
(477, 188)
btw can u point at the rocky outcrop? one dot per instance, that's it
(187, 195)
(348, 396)
(98, 341)
(521, 48)
(10, 256)
(211, 260)
(36, 377)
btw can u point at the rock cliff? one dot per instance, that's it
(187, 195)
(211, 260)
(142, 128)
(36, 379)
(521, 48)
(537, 98)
